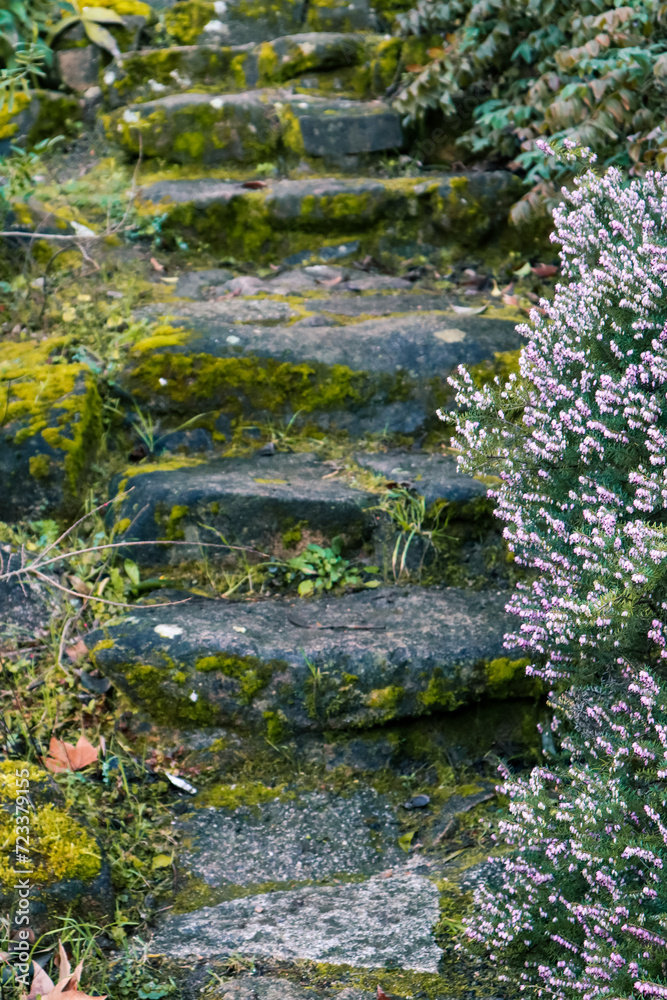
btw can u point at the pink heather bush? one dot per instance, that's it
(579, 908)
(579, 440)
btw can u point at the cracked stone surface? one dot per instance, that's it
(384, 921)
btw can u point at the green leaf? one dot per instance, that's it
(306, 587)
(161, 861)
(373, 583)
(101, 37)
(405, 841)
(132, 571)
(102, 14)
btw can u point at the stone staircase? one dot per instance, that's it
(305, 388)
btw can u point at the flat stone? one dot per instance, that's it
(246, 501)
(435, 477)
(251, 127)
(381, 654)
(291, 218)
(191, 284)
(274, 988)
(234, 309)
(380, 922)
(375, 282)
(313, 836)
(238, 22)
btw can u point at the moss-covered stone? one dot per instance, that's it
(65, 865)
(185, 20)
(52, 426)
(37, 115)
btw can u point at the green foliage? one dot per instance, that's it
(92, 20)
(23, 53)
(594, 72)
(318, 569)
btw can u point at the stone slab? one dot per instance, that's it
(435, 477)
(312, 835)
(247, 501)
(385, 921)
(331, 663)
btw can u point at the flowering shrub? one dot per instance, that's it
(579, 440)
(580, 905)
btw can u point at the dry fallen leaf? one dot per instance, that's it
(381, 995)
(254, 185)
(156, 265)
(468, 310)
(77, 650)
(414, 68)
(511, 300)
(67, 757)
(67, 985)
(545, 270)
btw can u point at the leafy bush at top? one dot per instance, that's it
(579, 908)
(594, 71)
(579, 439)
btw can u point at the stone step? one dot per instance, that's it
(443, 216)
(254, 502)
(239, 22)
(274, 504)
(255, 127)
(363, 65)
(311, 361)
(361, 659)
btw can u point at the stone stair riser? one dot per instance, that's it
(252, 128)
(449, 215)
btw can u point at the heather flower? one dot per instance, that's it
(579, 439)
(584, 883)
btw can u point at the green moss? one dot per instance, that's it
(293, 534)
(252, 673)
(102, 644)
(148, 685)
(122, 525)
(277, 727)
(247, 793)
(439, 694)
(507, 678)
(55, 401)
(291, 130)
(38, 115)
(387, 699)
(250, 384)
(173, 530)
(60, 847)
(186, 20)
(40, 466)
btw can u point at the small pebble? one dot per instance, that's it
(417, 802)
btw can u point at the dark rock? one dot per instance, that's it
(331, 663)
(397, 356)
(417, 802)
(384, 921)
(26, 604)
(79, 68)
(191, 284)
(191, 441)
(246, 501)
(435, 477)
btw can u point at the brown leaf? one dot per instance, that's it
(41, 983)
(414, 68)
(545, 270)
(254, 185)
(381, 995)
(77, 584)
(435, 53)
(156, 265)
(67, 757)
(77, 650)
(330, 282)
(511, 300)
